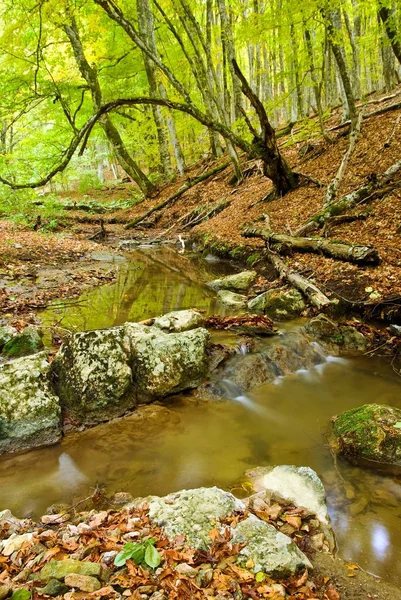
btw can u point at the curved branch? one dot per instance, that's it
(86, 130)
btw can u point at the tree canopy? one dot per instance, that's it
(149, 86)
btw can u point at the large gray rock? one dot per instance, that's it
(93, 377)
(29, 408)
(164, 364)
(278, 304)
(240, 282)
(300, 486)
(180, 320)
(231, 299)
(271, 551)
(25, 343)
(6, 334)
(194, 513)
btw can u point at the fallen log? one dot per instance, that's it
(309, 289)
(378, 186)
(187, 185)
(284, 244)
(374, 113)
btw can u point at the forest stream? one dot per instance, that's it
(196, 443)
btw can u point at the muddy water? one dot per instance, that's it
(187, 443)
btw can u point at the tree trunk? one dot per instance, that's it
(265, 146)
(333, 24)
(389, 25)
(90, 75)
(146, 29)
(227, 36)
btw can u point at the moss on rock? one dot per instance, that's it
(371, 432)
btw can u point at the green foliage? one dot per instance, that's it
(21, 595)
(143, 553)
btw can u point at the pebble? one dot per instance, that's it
(85, 583)
(186, 570)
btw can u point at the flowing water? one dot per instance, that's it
(189, 443)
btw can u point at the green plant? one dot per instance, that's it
(52, 225)
(140, 552)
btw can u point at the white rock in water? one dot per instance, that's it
(180, 320)
(300, 486)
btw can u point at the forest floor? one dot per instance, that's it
(37, 266)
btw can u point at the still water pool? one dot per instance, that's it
(187, 442)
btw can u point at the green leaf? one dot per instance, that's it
(131, 550)
(21, 595)
(397, 425)
(152, 557)
(138, 553)
(260, 576)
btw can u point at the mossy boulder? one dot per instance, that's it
(25, 343)
(165, 364)
(58, 569)
(92, 376)
(180, 320)
(240, 282)
(6, 334)
(370, 432)
(29, 407)
(231, 299)
(279, 304)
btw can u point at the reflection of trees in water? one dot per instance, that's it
(152, 283)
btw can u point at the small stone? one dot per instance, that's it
(239, 282)
(85, 583)
(22, 575)
(146, 589)
(108, 557)
(204, 577)
(356, 508)
(158, 596)
(5, 590)
(6, 334)
(180, 320)
(231, 299)
(186, 570)
(54, 587)
(55, 519)
(317, 541)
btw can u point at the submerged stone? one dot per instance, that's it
(164, 364)
(25, 343)
(278, 304)
(29, 408)
(180, 320)
(240, 282)
(269, 550)
(92, 376)
(371, 432)
(341, 338)
(231, 299)
(6, 334)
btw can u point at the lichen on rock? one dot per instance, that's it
(270, 551)
(239, 282)
(93, 377)
(180, 320)
(164, 364)
(280, 304)
(29, 408)
(28, 342)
